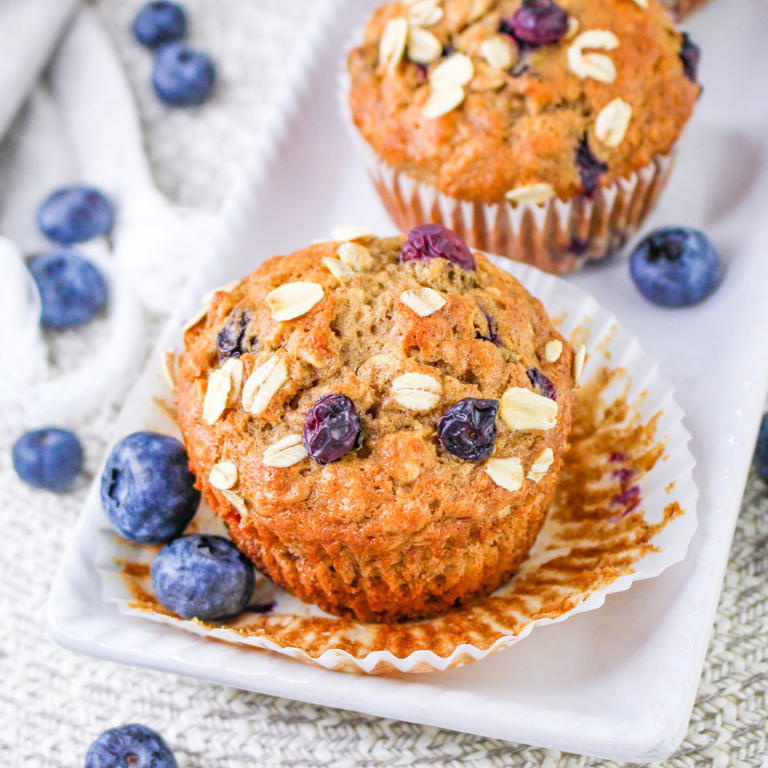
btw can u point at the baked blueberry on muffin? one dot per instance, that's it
(380, 422)
(537, 129)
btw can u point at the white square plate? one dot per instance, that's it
(618, 683)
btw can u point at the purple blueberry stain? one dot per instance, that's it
(434, 241)
(231, 341)
(492, 336)
(536, 22)
(332, 428)
(690, 55)
(628, 498)
(616, 456)
(623, 475)
(590, 168)
(468, 428)
(542, 383)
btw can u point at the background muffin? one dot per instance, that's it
(535, 129)
(681, 8)
(434, 398)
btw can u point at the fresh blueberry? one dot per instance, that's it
(159, 22)
(71, 289)
(468, 428)
(204, 577)
(590, 168)
(48, 458)
(433, 241)
(761, 451)
(690, 54)
(675, 266)
(542, 383)
(183, 76)
(231, 341)
(536, 22)
(147, 489)
(75, 214)
(130, 746)
(332, 428)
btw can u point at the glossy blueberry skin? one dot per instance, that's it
(71, 289)
(332, 428)
(761, 450)
(159, 22)
(590, 168)
(147, 489)
(182, 76)
(48, 458)
(542, 383)
(231, 341)
(434, 241)
(204, 577)
(75, 214)
(690, 55)
(675, 266)
(131, 745)
(468, 428)
(536, 22)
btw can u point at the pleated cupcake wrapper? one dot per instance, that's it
(281, 623)
(558, 236)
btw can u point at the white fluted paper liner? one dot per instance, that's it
(557, 236)
(670, 480)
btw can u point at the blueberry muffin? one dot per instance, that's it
(379, 422)
(537, 129)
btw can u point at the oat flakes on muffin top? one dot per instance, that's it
(375, 400)
(521, 98)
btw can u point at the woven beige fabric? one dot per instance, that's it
(53, 702)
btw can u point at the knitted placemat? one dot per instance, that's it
(54, 702)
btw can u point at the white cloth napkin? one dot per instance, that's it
(79, 125)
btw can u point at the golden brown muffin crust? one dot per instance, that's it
(522, 125)
(400, 502)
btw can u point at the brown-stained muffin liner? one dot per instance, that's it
(558, 236)
(625, 510)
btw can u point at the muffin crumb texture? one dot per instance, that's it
(382, 440)
(525, 101)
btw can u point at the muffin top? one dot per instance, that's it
(370, 388)
(523, 99)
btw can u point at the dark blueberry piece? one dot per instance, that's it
(492, 336)
(130, 746)
(542, 383)
(75, 214)
(761, 451)
(590, 168)
(675, 266)
(71, 289)
(577, 246)
(147, 489)
(332, 428)
(231, 339)
(262, 607)
(48, 458)
(537, 22)
(204, 577)
(434, 241)
(468, 428)
(183, 76)
(159, 22)
(690, 53)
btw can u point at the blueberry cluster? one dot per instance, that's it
(72, 291)
(182, 76)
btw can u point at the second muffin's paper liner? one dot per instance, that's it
(558, 236)
(649, 529)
